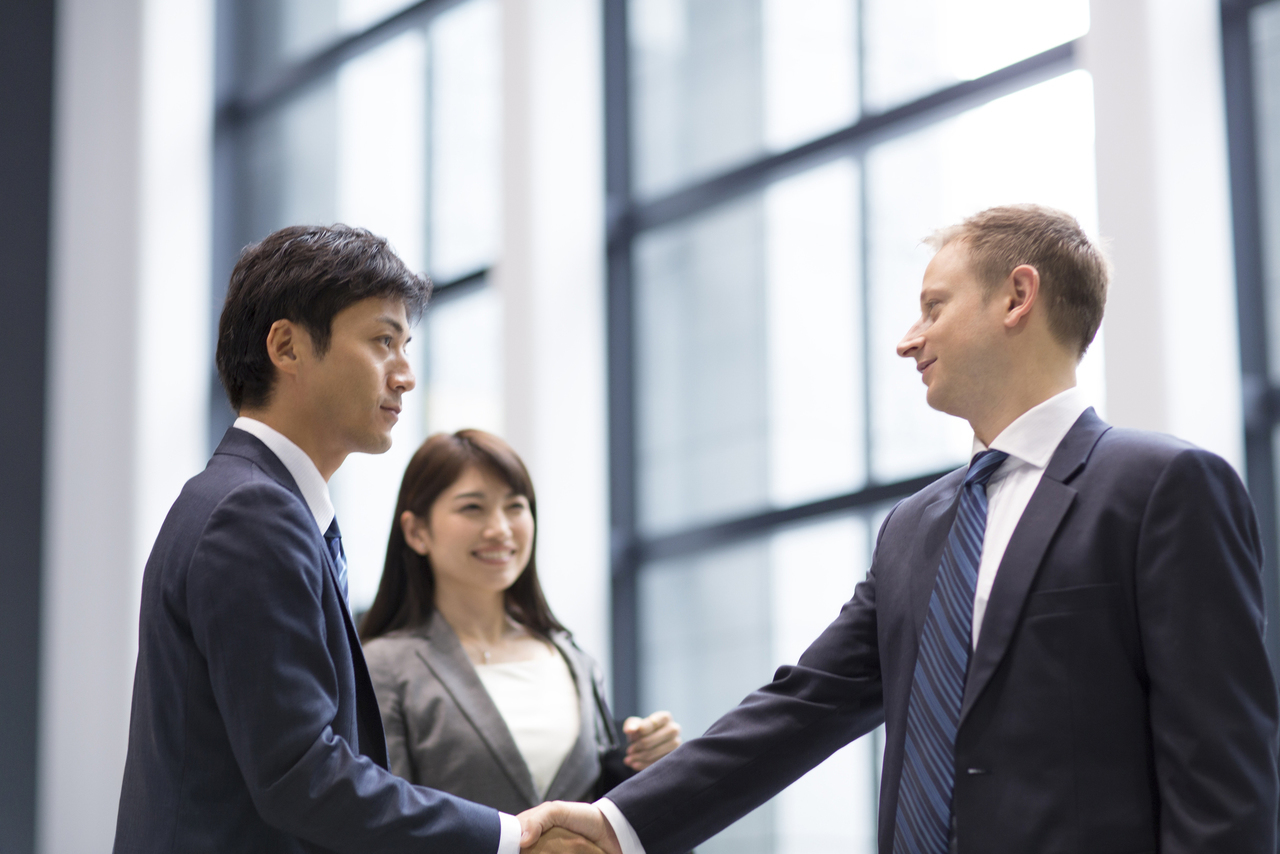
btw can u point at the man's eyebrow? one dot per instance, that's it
(392, 322)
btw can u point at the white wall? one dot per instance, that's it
(551, 276)
(1172, 348)
(128, 371)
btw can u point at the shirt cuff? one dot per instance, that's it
(622, 828)
(509, 835)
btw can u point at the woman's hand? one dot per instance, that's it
(650, 739)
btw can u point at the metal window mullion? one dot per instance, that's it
(869, 129)
(620, 343)
(1260, 411)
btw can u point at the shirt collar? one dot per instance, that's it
(312, 484)
(1035, 434)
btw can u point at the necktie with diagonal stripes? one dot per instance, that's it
(937, 687)
(333, 539)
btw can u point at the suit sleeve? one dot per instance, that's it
(388, 687)
(811, 709)
(254, 596)
(1212, 698)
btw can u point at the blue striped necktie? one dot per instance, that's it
(333, 539)
(929, 769)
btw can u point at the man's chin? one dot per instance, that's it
(376, 443)
(943, 403)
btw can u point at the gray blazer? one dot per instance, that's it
(443, 731)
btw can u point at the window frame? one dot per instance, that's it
(243, 99)
(629, 216)
(1260, 397)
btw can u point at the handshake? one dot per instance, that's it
(560, 827)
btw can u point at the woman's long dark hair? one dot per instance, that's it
(407, 593)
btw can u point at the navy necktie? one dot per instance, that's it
(333, 539)
(937, 688)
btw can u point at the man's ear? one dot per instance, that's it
(1022, 290)
(283, 344)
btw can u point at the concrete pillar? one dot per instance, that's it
(128, 370)
(1171, 335)
(551, 278)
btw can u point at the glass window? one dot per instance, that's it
(348, 149)
(465, 138)
(935, 177)
(715, 626)
(716, 82)
(750, 353)
(462, 380)
(401, 139)
(914, 47)
(278, 32)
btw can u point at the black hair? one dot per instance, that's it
(305, 274)
(407, 592)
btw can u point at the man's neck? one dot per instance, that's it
(294, 429)
(1009, 408)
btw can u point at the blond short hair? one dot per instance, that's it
(1073, 271)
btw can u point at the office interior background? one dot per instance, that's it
(673, 244)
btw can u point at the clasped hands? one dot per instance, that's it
(562, 827)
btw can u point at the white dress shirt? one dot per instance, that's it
(315, 491)
(1030, 442)
(538, 701)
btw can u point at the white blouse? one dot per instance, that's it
(539, 702)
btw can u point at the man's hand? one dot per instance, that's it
(557, 840)
(584, 820)
(651, 739)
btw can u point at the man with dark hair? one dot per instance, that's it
(1064, 638)
(254, 726)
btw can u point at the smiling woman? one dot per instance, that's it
(482, 691)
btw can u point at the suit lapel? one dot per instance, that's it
(935, 525)
(447, 659)
(373, 741)
(1026, 550)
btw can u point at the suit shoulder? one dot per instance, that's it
(388, 655)
(916, 502)
(1134, 451)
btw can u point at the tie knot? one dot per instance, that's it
(983, 466)
(332, 533)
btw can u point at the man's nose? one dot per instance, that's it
(402, 379)
(910, 342)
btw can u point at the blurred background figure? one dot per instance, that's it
(673, 244)
(483, 693)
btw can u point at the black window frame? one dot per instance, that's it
(1260, 396)
(242, 99)
(628, 216)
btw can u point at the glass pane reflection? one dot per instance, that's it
(715, 626)
(465, 138)
(914, 47)
(278, 32)
(462, 381)
(349, 149)
(750, 383)
(716, 82)
(936, 177)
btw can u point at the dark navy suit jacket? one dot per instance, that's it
(1119, 699)
(254, 726)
